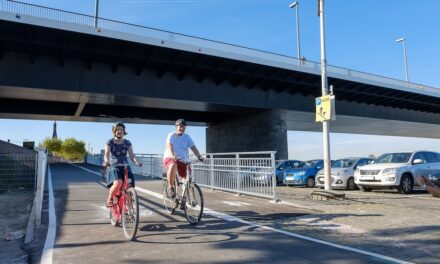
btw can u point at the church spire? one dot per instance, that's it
(54, 133)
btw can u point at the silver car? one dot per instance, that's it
(342, 173)
(397, 170)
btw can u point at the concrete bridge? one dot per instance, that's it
(58, 65)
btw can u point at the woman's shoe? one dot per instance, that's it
(109, 203)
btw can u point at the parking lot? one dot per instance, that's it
(385, 222)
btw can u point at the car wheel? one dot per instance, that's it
(310, 182)
(364, 189)
(351, 185)
(406, 184)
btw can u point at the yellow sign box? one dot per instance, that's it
(325, 108)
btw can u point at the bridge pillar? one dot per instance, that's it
(265, 131)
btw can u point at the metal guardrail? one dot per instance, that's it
(151, 164)
(17, 171)
(19, 8)
(250, 173)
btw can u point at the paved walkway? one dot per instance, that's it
(236, 230)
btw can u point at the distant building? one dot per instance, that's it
(9, 148)
(54, 133)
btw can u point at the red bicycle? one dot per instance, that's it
(125, 210)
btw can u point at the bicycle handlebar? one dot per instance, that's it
(120, 165)
(191, 161)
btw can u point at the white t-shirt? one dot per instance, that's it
(180, 145)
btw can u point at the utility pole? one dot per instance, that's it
(325, 91)
(96, 12)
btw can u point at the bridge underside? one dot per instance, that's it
(55, 74)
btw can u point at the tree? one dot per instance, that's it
(53, 145)
(73, 149)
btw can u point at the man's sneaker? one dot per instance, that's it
(182, 203)
(172, 192)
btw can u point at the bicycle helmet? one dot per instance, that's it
(116, 124)
(180, 122)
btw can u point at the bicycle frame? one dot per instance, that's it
(119, 208)
(190, 198)
(126, 210)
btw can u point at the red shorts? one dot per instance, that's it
(181, 167)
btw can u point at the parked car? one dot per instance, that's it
(305, 175)
(397, 170)
(342, 173)
(282, 165)
(435, 178)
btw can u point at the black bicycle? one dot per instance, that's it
(189, 196)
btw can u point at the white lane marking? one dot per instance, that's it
(235, 203)
(231, 218)
(52, 228)
(145, 212)
(94, 172)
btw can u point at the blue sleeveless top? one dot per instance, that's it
(119, 151)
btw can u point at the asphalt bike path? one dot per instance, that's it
(234, 229)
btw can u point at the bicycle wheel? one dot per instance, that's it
(114, 212)
(168, 202)
(193, 204)
(130, 218)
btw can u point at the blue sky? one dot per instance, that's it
(360, 35)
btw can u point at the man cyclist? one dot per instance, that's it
(118, 147)
(177, 153)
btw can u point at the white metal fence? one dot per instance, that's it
(151, 164)
(250, 173)
(35, 216)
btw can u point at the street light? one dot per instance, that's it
(96, 12)
(402, 40)
(324, 91)
(296, 6)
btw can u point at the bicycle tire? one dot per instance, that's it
(113, 221)
(194, 204)
(130, 216)
(168, 202)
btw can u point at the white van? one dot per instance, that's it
(397, 170)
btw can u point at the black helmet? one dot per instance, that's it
(118, 123)
(180, 122)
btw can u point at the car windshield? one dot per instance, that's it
(394, 158)
(343, 163)
(311, 163)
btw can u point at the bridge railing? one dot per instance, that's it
(200, 44)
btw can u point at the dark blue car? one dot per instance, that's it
(305, 175)
(283, 165)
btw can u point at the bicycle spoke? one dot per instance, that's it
(130, 216)
(169, 203)
(194, 204)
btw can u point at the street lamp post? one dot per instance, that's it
(402, 40)
(325, 91)
(296, 6)
(96, 12)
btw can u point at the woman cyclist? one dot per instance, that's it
(118, 147)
